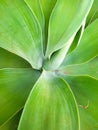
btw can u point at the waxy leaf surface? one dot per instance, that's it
(51, 105)
(20, 32)
(15, 85)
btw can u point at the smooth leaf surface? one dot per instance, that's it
(35, 7)
(88, 47)
(65, 20)
(20, 32)
(12, 124)
(15, 85)
(57, 58)
(90, 68)
(86, 92)
(10, 60)
(47, 7)
(93, 14)
(77, 38)
(51, 105)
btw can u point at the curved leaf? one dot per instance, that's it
(10, 60)
(51, 105)
(86, 92)
(15, 85)
(90, 68)
(93, 14)
(47, 7)
(77, 38)
(88, 47)
(65, 20)
(35, 7)
(57, 58)
(19, 31)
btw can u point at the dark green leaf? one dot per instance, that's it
(10, 60)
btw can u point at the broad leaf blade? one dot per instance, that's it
(51, 105)
(15, 85)
(90, 68)
(87, 49)
(20, 32)
(65, 20)
(10, 60)
(86, 92)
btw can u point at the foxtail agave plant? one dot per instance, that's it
(48, 65)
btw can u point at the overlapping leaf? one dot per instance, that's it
(15, 85)
(89, 68)
(93, 14)
(20, 32)
(86, 92)
(88, 47)
(35, 7)
(66, 18)
(51, 105)
(47, 7)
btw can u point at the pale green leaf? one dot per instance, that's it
(90, 68)
(15, 85)
(57, 58)
(50, 106)
(86, 92)
(47, 7)
(20, 32)
(66, 19)
(35, 7)
(87, 49)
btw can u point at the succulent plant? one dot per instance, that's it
(48, 65)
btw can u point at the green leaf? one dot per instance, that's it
(77, 38)
(50, 106)
(35, 7)
(90, 68)
(10, 60)
(87, 49)
(93, 14)
(65, 20)
(57, 58)
(12, 124)
(15, 85)
(20, 32)
(47, 7)
(86, 92)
